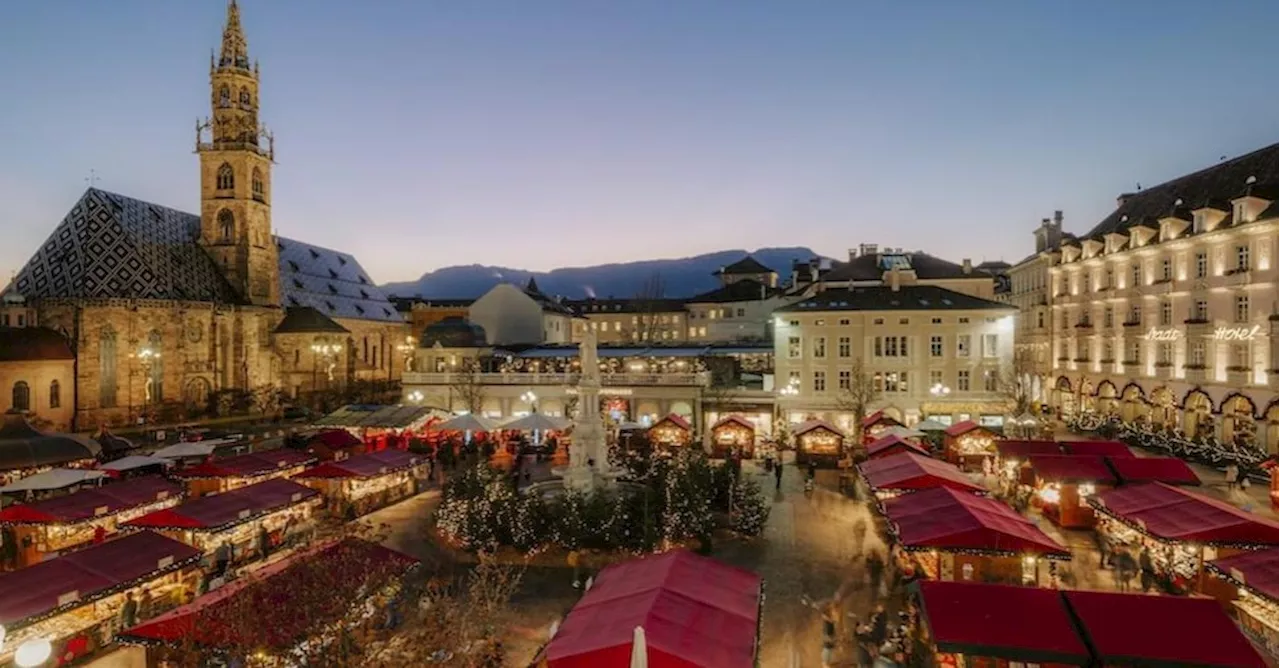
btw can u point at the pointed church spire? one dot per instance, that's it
(235, 51)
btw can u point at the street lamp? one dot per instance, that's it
(939, 390)
(146, 357)
(416, 396)
(410, 344)
(531, 399)
(327, 351)
(791, 389)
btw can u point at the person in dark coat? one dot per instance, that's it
(1147, 570)
(777, 477)
(875, 572)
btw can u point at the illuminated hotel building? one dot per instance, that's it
(1167, 308)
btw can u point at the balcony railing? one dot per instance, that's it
(515, 378)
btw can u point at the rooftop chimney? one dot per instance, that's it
(968, 265)
(1057, 218)
(853, 254)
(868, 249)
(895, 279)
(1122, 198)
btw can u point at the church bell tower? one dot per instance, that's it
(236, 153)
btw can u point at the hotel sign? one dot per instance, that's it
(1219, 334)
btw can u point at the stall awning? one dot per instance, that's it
(344, 567)
(675, 420)
(961, 428)
(375, 416)
(876, 418)
(1099, 448)
(695, 611)
(1132, 629)
(336, 438)
(910, 471)
(1173, 513)
(1082, 628)
(94, 502)
(892, 445)
(1071, 469)
(1255, 570)
(368, 465)
(214, 513)
(52, 479)
(1168, 470)
(733, 419)
(248, 465)
(948, 519)
(1020, 450)
(72, 580)
(1024, 624)
(810, 425)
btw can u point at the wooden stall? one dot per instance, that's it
(364, 483)
(888, 477)
(874, 424)
(328, 444)
(267, 514)
(380, 427)
(1012, 454)
(75, 601)
(26, 451)
(1113, 449)
(968, 443)
(893, 445)
(997, 626)
(948, 534)
(1247, 582)
(1137, 470)
(819, 441)
(1063, 483)
(1178, 530)
(223, 475)
(671, 431)
(733, 433)
(42, 530)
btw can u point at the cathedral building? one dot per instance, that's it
(165, 308)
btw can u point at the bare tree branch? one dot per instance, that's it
(467, 385)
(858, 397)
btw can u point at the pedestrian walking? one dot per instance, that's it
(875, 572)
(128, 612)
(859, 533)
(829, 634)
(777, 477)
(222, 558)
(1148, 570)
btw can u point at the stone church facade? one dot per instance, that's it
(166, 308)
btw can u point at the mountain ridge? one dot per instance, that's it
(680, 277)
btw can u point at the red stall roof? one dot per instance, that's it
(1018, 623)
(1071, 468)
(1015, 449)
(1101, 448)
(93, 502)
(1173, 630)
(1078, 627)
(877, 417)
(892, 445)
(1255, 570)
(337, 438)
(1173, 513)
(675, 420)
(912, 471)
(248, 465)
(810, 425)
(733, 419)
(203, 621)
(964, 427)
(1168, 470)
(947, 519)
(695, 611)
(214, 513)
(77, 578)
(368, 465)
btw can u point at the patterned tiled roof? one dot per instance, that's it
(112, 246)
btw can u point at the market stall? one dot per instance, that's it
(52, 482)
(1178, 529)
(359, 485)
(691, 612)
(988, 625)
(136, 466)
(379, 427)
(26, 451)
(42, 529)
(1063, 483)
(671, 431)
(893, 445)
(276, 609)
(1011, 454)
(1248, 582)
(891, 476)
(968, 444)
(733, 433)
(874, 424)
(279, 510)
(328, 444)
(1137, 470)
(74, 601)
(223, 475)
(819, 441)
(948, 534)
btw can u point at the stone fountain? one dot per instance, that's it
(588, 451)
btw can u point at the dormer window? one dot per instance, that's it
(293, 266)
(333, 274)
(314, 254)
(1239, 213)
(1197, 221)
(342, 261)
(332, 290)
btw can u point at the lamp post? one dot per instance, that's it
(416, 396)
(531, 399)
(146, 357)
(790, 390)
(406, 349)
(939, 391)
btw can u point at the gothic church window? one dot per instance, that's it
(21, 396)
(155, 381)
(226, 177)
(245, 99)
(259, 188)
(107, 368)
(226, 225)
(224, 97)
(55, 395)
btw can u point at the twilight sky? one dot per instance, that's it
(534, 134)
